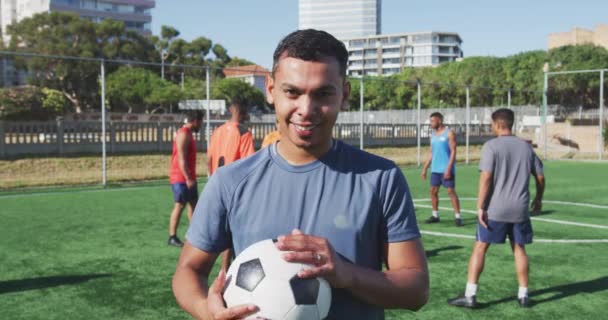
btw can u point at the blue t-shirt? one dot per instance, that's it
(356, 200)
(440, 145)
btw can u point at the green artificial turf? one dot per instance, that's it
(102, 254)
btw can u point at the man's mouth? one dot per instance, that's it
(304, 130)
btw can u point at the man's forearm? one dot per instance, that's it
(484, 188)
(191, 292)
(184, 169)
(403, 288)
(540, 187)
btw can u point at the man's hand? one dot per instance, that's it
(190, 183)
(448, 174)
(423, 174)
(536, 206)
(215, 303)
(482, 217)
(319, 253)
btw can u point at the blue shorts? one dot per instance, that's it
(438, 180)
(182, 194)
(497, 232)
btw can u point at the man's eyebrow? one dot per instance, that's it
(327, 87)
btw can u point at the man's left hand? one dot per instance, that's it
(318, 253)
(448, 174)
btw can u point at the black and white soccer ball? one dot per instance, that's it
(259, 275)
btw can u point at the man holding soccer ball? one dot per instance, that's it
(337, 208)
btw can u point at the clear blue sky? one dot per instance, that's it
(251, 29)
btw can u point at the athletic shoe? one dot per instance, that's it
(524, 302)
(174, 241)
(432, 219)
(464, 302)
(458, 222)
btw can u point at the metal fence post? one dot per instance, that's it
(418, 125)
(468, 123)
(601, 137)
(544, 114)
(104, 171)
(208, 127)
(361, 91)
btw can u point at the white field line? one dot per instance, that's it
(570, 223)
(567, 203)
(466, 236)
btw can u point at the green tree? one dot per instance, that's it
(68, 35)
(230, 87)
(54, 100)
(146, 90)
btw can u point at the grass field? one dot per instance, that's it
(102, 254)
(38, 172)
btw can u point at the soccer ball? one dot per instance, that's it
(260, 276)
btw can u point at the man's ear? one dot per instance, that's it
(345, 95)
(269, 90)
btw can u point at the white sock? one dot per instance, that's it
(522, 293)
(457, 215)
(436, 214)
(471, 290)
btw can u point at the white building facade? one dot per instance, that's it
(390, 54)
(136, 14)
(343, 19)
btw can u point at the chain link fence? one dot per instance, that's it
(111, 121)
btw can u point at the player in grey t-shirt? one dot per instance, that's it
(506, 165)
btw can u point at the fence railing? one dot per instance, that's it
(61, 137)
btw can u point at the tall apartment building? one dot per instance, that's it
(134, 13)
(390, 54)
(576, 36)
(344, 19)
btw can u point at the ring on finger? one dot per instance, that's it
(318, 257)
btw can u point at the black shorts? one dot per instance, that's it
(183, 194)
(497, 232)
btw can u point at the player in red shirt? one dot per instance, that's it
(182, 173)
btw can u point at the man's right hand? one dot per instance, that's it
(215, 303)
(482, 217)
(537, 206)
(423, 174)
(190, 183)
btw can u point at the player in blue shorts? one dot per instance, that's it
(506, 165)
(442, 160)
(346, 212)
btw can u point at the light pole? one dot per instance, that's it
(163, 56)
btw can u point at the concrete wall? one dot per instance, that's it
(60, 138)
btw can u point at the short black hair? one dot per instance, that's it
(311, 45)
(436, 115)
(192, 115)
(504, 117)
(239, 103)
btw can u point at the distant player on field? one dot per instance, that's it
(346, 212)
(182, 173)
(442, 159)
(231, 141)
(506, 165)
